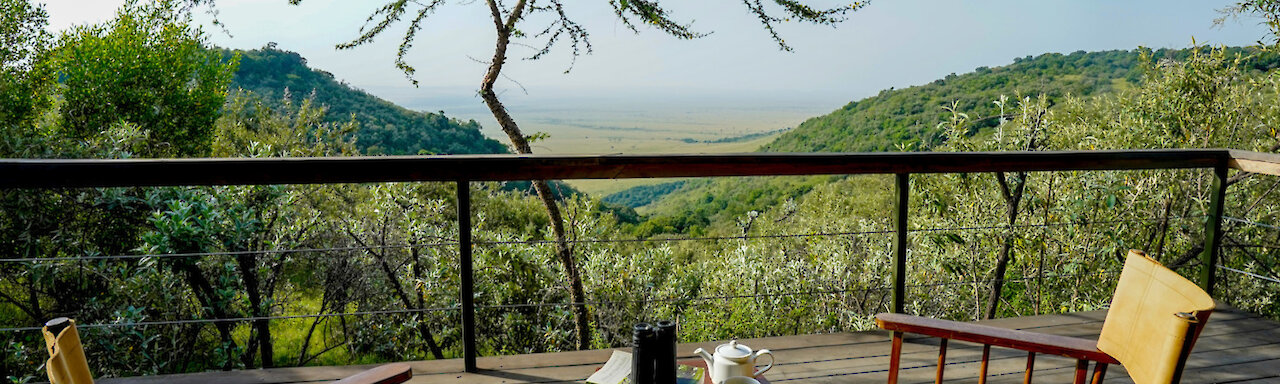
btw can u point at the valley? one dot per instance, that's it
(647, 125)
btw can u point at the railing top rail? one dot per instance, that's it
(46, 173)
(1256, 162)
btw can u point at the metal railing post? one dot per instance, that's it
(902, 187)
(464, 269)
(1213, 230)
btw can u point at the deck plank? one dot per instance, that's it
(1236, 346)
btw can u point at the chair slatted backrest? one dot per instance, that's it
(1155, 317)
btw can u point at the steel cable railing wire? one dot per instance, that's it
(580, 241)
(678, 299)
(240, 319)
(1245, 246)
(767, 295)
(427, 245)
(228, 253)
(1258, 245)
(1247, 273)
(1253, 223)
(438, 244)
(829, 234)
(529, 305)
(681, 239)
(1055, 224)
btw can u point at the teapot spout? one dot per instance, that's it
(705, 356)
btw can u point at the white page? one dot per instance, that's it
(614, 371)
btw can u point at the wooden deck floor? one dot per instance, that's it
(1235, 347)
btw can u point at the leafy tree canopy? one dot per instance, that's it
(22, 41)
(385, 128)
(148, 67)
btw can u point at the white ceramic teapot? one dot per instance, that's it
(733, 359)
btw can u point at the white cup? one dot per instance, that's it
(740, 380)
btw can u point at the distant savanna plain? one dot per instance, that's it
(597, 124)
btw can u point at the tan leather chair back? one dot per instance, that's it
(66, 364)
(1155, 317)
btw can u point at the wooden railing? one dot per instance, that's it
(56, 173)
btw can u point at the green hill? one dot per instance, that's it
(882, 122)
(909, 115)
(894, 117)
(385, 128)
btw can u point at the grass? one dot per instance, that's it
(288, 336)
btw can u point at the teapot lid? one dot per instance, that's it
(733, 350)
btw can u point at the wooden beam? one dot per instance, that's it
(1099, 371)
(1256, 162)
(1255, 166)
(986, 358)
(901, 201)
(45, 173)
(466, 283)
(1082, 371)
(895, 357)
(1213, 230)
(942, 361)
(1031, 368)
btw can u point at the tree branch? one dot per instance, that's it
(24, 308)
(516, 13)
(496, 14)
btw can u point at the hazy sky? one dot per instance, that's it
(886, 44)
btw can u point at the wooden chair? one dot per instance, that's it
(1154, 320)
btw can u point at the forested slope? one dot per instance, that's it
(385, 128)
(909, 117)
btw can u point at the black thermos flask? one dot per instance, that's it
(664, 354)
(642, 354)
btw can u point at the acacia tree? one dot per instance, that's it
(509, 21)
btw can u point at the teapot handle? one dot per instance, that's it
(757, 356)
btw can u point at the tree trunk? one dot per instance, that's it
(325, 299)
(521, 143)
(306, 340)
(422, 303)
(1011, 201)
(207, 298)
(338, 279)
(1157, 234)
(261, 328)
(33, 301)
(394, 281)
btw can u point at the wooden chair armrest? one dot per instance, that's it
(384, 374)
(1072, 347)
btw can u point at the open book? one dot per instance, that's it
(618, 371)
